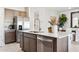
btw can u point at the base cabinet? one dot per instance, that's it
(26, 47)
(33, 45)
(10, 36)
(40, 43)
(30, 43)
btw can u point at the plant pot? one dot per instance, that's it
(50, 29)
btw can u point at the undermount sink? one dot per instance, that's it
(37, 31)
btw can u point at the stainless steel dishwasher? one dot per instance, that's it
(44, 44)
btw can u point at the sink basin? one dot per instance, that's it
(36, 31)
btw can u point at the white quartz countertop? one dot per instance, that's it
(55, 35)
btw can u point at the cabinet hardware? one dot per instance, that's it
(45, 40)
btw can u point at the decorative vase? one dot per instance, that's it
(55, 29)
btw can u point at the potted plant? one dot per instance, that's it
(53, 23)
(62, 20)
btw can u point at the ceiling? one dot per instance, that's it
(61, 9)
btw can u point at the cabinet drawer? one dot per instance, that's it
(29, 35)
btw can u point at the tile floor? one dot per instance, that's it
(74, 47)
(12, 47)
(15, 47)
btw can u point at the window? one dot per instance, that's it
(26, 25)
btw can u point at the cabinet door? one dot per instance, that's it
(33, 45)
(44, 45)
(7, 37)
(22, 13)
(16, 13)
(10, 37)
(26, 44)
(9, 13)
(13, 36)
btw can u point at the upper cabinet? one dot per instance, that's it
(22, 14)
(9, 12)
(12, 12)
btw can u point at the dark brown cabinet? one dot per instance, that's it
(40, 43)
(30, 43)
(26, 47)
(10, 36)
(33, 45)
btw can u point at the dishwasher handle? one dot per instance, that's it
(45, 40)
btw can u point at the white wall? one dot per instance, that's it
(1, 26)
(44, 16)
(68, 14)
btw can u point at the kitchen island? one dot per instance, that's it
(45, 42)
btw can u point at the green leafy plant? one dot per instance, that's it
(62, 20)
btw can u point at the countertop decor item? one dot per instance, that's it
(62, 20)
(53, 22)
(50, 29)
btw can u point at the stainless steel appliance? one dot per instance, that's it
(18, 24)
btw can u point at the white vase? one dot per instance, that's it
(55, 29)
